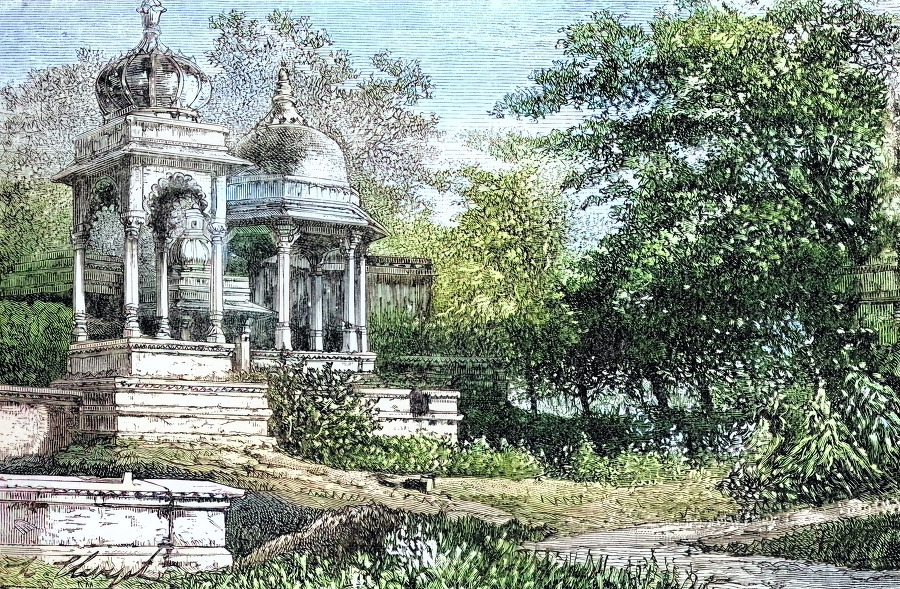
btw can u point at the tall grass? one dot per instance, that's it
(871, 543)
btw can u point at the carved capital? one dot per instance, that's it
(217, 231)
(285, 234)
(350, 243)
(79, 239)
(132, 223)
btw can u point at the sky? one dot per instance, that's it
(475, 51)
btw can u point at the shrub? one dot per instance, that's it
(628, 468)
(440, 456)
(820, 444)
(317, 413)
(435, 551)
(34, 342)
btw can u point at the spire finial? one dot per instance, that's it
(284, 108)
(151, 11)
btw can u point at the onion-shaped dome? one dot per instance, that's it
(192, 248)
(151, 77)
(282, 144)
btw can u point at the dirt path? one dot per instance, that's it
(675, 544)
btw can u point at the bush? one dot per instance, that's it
(435, 551)
(316, 413)
(821, 444)
(34, 342)
(628, 468)
(439, 456)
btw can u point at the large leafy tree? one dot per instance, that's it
(742, 156)
(39, 120)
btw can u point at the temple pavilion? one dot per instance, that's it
(162, 332)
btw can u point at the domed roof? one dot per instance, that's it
(151, 77)
(282, 144)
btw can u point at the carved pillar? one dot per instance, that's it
(349, 251)
(131, 274)
(316, 331)
(79, 328)
(162, 289)
(285, 236)
(362, 303)
(217, 282)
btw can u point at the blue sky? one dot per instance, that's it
(474, 50)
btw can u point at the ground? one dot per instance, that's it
(625, 524)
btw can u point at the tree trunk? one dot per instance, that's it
(706, 400)
(532, 395)
(659, 391)
(585, 400)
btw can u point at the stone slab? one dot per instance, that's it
(150, 357)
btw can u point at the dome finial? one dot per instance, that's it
(284, 108)
(151, 11)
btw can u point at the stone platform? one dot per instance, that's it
(158, 389)
(115, 525)
(143, 356)
(151, 408)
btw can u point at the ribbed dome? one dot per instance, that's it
(282, 144)
(151, 77)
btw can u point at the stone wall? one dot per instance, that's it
(36, 422)
(115, 525)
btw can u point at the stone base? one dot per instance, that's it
(143, 356)
(354, 362)
(162, 409)
(396, 417)
(149, 561)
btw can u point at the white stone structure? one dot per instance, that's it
(113, 525)
(179, 193)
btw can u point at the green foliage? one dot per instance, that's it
(871, 543)
(34, 342)
(626, 469)
(436, 552)
(439, 456)
(743, 160)
(823, 446)
(35, 215)
(317, 413)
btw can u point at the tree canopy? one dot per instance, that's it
(743, 159)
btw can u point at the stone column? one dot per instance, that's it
(349, 251)
(362, 303)
(162, 289)
(285, 236)
(79, 328)
(216, 282)
(317, 332)
(131, 275)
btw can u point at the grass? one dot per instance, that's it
(16, 573)
(565, 506)
(572, 508)
(870, 543)
(427, 552)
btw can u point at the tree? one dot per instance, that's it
(384, 139)
(743, 159)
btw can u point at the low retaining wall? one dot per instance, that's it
(409, 412)
(36, 421)
(115, 525)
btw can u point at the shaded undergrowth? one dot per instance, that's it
(871, 543)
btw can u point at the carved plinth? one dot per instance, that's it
(172, 410)
(151, 358)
